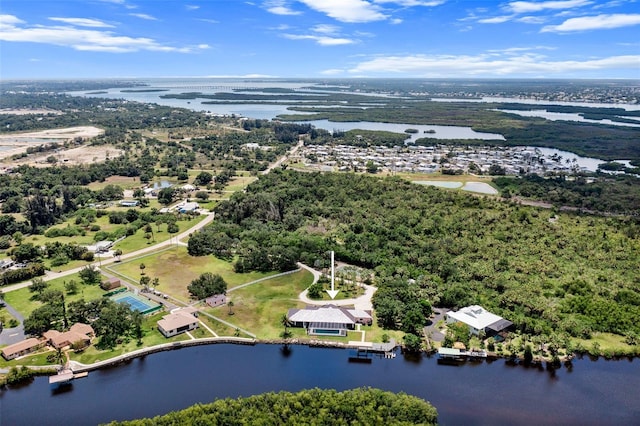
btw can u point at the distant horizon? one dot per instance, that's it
(537, 39)
(255, 78)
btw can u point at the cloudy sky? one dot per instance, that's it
(320, 38)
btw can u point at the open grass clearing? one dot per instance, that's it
(38, 358)
(22, 300)
(259, 308)
(138, 241)
(238, 183)
(125, 182)
(175, 269)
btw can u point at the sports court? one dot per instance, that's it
(137, 302)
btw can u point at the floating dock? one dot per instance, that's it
(64, 377)
(457, 356)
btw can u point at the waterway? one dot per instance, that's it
(590, 393)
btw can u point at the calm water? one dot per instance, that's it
(592, 393)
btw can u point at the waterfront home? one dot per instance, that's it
(177, 322)
(479, 319)
(328, 320)
(22, 348)
(188, 207)
(78, 334)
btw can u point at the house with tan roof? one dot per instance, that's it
(78, 332)
(22, 348)
(179, 321)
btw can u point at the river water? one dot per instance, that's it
(590, 393)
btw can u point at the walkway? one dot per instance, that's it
(9, 336)
(361, 302)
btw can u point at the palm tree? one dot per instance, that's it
(286, 323)
(117, 253)
(230, 305)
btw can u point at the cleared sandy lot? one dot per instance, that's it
(16, 143)
(29, 111)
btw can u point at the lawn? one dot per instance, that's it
(124, 182)
(259, 308)
(38, 358)
(138, 241)
(176, 269)
(22, 301)
(152, 337)
(607, 344)
(238, 183)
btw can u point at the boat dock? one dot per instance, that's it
(64, 377)
(451, 355)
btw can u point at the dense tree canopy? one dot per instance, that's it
(451, 249)
(307, 407)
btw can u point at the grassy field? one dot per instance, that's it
(258, 308)
(22, 300)
(124, 182)
(176, 269)
(238, 183)
(38, 358)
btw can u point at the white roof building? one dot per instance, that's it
(479, 319)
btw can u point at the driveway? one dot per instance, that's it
(430, 330)
(9, 336)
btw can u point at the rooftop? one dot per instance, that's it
(475, 316)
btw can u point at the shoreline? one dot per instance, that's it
(77, 367)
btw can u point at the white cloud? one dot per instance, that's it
(83, 22)
(532, 19)
(351, 11)
(411, 3)
(144, 16)
(485, 65)
(13, 29)
(321, 40)
(280, 7)
(325, 29)
(192, 7)
(210, 21)
(9, 21)
(396, 21)
(332, 71)
(598, 22)
(495, 19)
(531, 6)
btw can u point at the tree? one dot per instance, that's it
(117, 253)
(230, 305)
(172, 228)
(71, 287)
(166, 195)
(155, 282)
(412, 343)
(203, 179)
(286, 323)
(26, 252)
(315, 291)
(207, 285)
(144, 282)
(38, 285)
(371, 167)
(142, 268)
(202, 195)
(89, 275)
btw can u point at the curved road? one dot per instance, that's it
(50, 275)
(361, 302)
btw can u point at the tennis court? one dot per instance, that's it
(136, 302)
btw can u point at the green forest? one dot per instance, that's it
(364, 406)
(547, 272)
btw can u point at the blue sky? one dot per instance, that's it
(319, 38)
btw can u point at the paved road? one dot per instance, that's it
(430, 330)
(50, 275)
(9, 336)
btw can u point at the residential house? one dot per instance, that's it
(479, 319)
(177, 322)
(328, 320)
(78, 333)
(22, 348)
